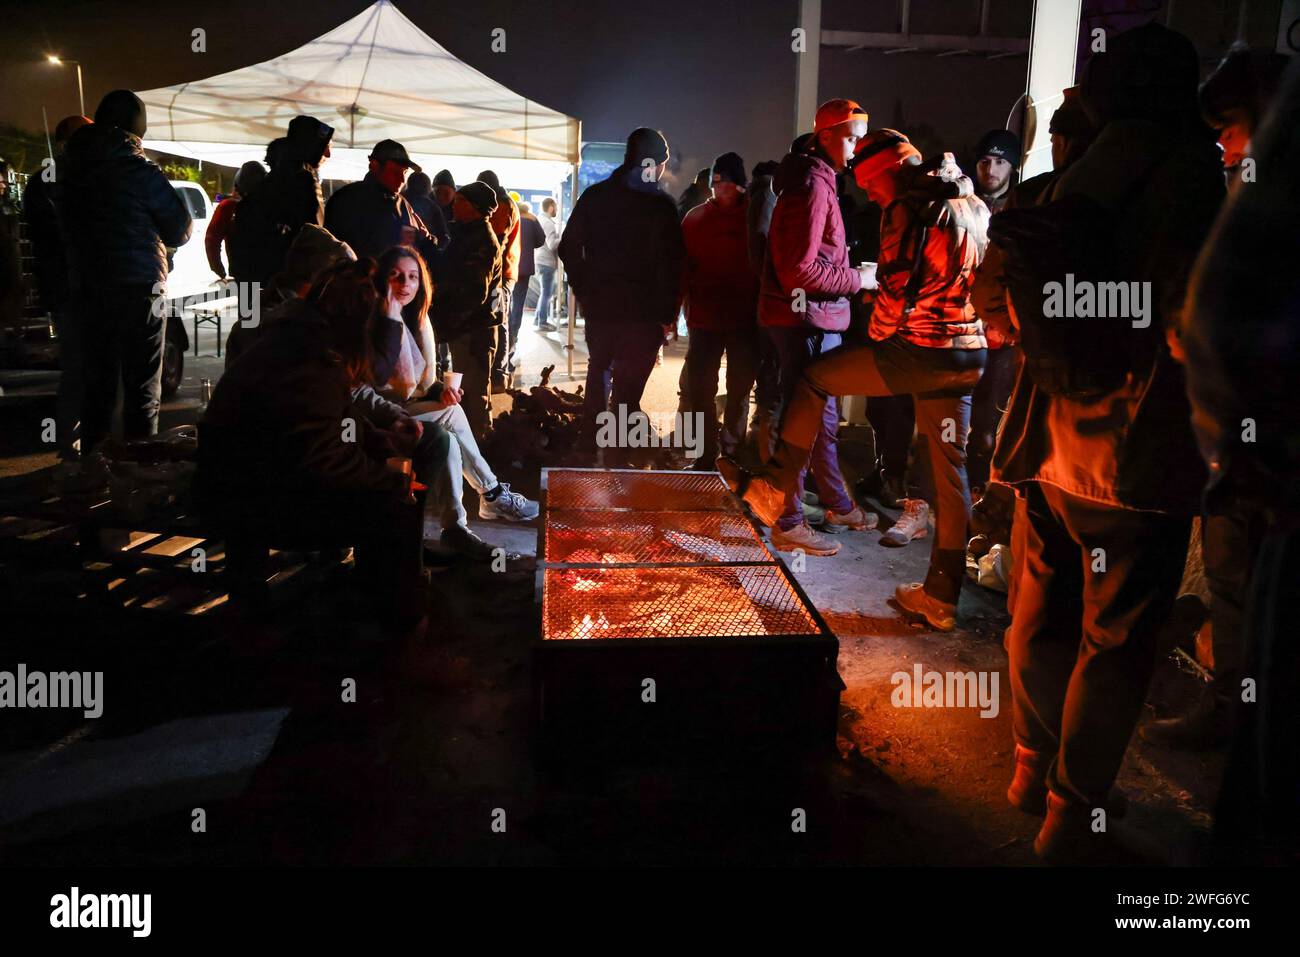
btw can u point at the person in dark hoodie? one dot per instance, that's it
(372, 215)
(997, 157)
(289, 197)
(623, 252)
(419, 193)
(467, 300)
(121, 215)
(804, 309)
(1108, 478)
(49, 250)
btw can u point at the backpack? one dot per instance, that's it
(1069, 242)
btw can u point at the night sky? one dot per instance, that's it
(714, 81)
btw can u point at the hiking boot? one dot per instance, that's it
(858, 520)
(914, 523)
(462, 541)
(916, 603)
(803, 538)
(508, 505)
(764, 499)
(1204, 727)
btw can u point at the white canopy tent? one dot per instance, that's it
(377, 76)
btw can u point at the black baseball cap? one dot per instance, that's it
(395, 152)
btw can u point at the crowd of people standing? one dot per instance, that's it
(372, 298)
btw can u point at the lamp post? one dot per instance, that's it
(81, 95)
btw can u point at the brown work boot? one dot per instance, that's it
(917, 603)
(857, 520)
(805, 539)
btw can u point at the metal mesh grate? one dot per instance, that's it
(709, 602)
(644, 491)
(624, 538)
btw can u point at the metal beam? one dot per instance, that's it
(923, 42)
(806, 66)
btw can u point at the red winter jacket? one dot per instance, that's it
(720, 287)
(806, 250)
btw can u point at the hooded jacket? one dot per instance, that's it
(467, 285)
(370, 219)
(622, 250)
(806, 250)
(272, 214)
(119, 210)
(721, 286)
(1132, 448)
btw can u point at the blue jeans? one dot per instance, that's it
(546, 276)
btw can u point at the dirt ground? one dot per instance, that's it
(248, 725)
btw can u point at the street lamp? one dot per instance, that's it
(81, 96)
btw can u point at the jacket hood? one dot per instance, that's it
(95, 144)
(308, 138)
(802, 171)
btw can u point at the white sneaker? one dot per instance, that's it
(914, 523)
(510, 506)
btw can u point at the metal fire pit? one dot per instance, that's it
(661, 577)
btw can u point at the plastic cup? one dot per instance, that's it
(452, 379)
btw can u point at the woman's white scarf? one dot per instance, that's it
(417, 365)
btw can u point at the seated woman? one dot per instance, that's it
(288, 460)
(405, 373)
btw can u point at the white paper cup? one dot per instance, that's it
(871, 272)
(451, 379)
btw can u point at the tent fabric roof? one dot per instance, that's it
(377, 76)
